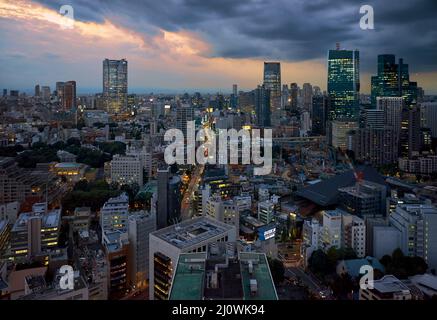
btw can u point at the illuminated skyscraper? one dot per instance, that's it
(272, 82)
(393, 80)
(115, 85)
(343, 84)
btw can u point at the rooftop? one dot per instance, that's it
(326, 192)
(389, 284)
(191, 232)
(48, 220)
(222, 274)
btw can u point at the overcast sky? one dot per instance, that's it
(208, 45)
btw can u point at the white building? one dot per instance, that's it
(224, 211)
(387, 288)
(417, 224)
(114, 214)
(311, 239)
(266, 211)
(127, 169)
(141, 224)
(331, 229)
(354, 234)
(166, 244)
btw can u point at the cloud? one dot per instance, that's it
(194, 38)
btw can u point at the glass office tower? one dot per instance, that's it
(115, 85)
(343, 84)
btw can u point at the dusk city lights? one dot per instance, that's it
(218, 158)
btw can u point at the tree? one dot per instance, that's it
(319, 264)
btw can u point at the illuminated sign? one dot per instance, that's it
(266, 232)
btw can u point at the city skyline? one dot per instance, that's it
(189, 53)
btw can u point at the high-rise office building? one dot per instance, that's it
(307, 95)
(234, 97)
(344, 84)
(377, 146)
(414, 133)
(319, 115)
(115, 85)
(294, 96)
(169, 198)
(428, 111)
(184, 113)
(393, 80)
(262, 107)
(69, 95)
(37, 90)
(272, 82)
(45, 93)
(392, 107)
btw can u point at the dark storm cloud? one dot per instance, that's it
(288, 30)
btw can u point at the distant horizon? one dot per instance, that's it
(205, 46)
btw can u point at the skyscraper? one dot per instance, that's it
(169, 198)
(37, 90)
(272, 82)
(393, 80)
(319, 114)
(115, 85)
(294, 93)
(343, 84)
(69, 95)
(262, 107)
(307, 89)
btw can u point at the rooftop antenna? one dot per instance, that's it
(337, 46)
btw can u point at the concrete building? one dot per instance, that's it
(169, 198)
(386, 239)
(187, 237)
(9, 211)
(224, 211)
(266, 211)
(365, 199)
(127, 169)
(213, 275)
(140, 226)
(354, 234)
(114, 214)
(417, 224)
(340, 130)
(35, 232)
(387, 288)
(82, 216)
(331, 230)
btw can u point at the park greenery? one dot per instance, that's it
(45, 153)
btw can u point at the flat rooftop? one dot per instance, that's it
(191, 232)
(189, 275)
(389, 284)
(193, 279)
(261, 273)
(48, 220)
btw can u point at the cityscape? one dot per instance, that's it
(115, 187)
